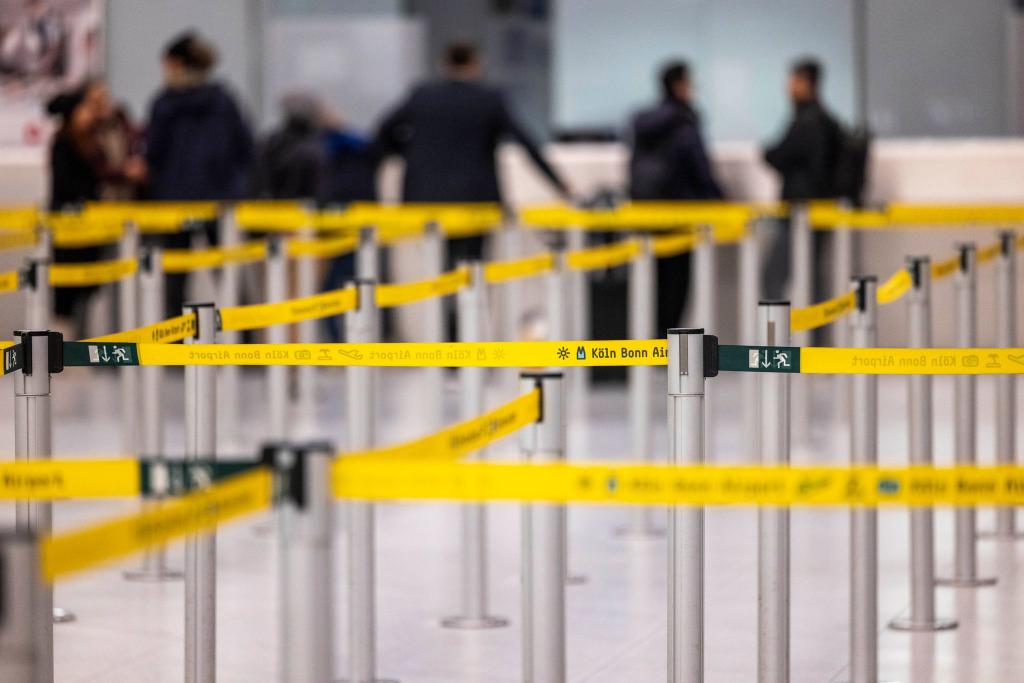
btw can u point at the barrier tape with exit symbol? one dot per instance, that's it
(732, 358)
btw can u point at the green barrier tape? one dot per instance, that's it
(14, 359)
(93, 354)
(177, 477)
(733, 358)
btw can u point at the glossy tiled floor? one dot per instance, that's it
(129, 632)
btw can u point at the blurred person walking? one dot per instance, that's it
(670, 162)
(808, 158)
(448, 131)
(80, 167)
(290, 161)
(198, 144)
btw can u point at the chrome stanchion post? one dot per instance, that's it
(151, 442)
(38, 293)
(642, 303)
(277, 375)
(773, 522)
(864, 520)
(128, 310)
(368, 255)
(704, 310)
(42, 354)
(26, 637)
(362, 326)
(472, 311)
(965, 425)
(801, 291)
(511, 299)
(922, 534)
(305, 375)
(228, 297)
(749, 297)
(201, 550)
(577, 305)
(556, 291)
(543, 531)
(1006, 385)
(433, 324)
(686, 374)
(305, 517)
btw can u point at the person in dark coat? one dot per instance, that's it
(79, 168)
(198, 144)
(448, 132)
(290, 161)
(807, 157)
(669, 161)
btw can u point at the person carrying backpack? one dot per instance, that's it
(809, 158)
(670, 162)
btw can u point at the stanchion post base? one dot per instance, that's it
(474, 623)
(63, 616)
(955, 582)
(907, 624)
(999, 536)
(153, 576)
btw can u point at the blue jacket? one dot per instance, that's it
(198, 145)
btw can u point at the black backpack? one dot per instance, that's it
(852, 164)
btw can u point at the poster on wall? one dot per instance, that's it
(46, 46)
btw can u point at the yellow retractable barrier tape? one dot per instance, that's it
(943, 269)
(638, 215)
(989, 253)
(19, 219)
(9, 281)
(728, 233)
(328, 247)
(503, 271)
(979, 361)
(830, 216)
(955, 213)
(885, 361)
(450, 354)
(895, 287)
(235, 497)
(449, 217)
(822, 314)
(88, 274)
(281, 216)
(158, 217)
(75, 230)
(409, 292)
(605, 256)
(671, 245)
(624, 483)
(187, 260)
(41, 479)
(164, 332)
(257, 316)
(463, 438)
(17, 239)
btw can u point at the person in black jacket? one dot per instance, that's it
(670, 162)
(290, 161)
(448, 131)
(79, 167)
(198, 144)
(807, 157)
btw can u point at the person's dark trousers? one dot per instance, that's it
(673, 290)
(459, 250)
(822, 266)
(341, 272)
(775, 276)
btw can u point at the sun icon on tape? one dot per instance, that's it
(563, 353)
